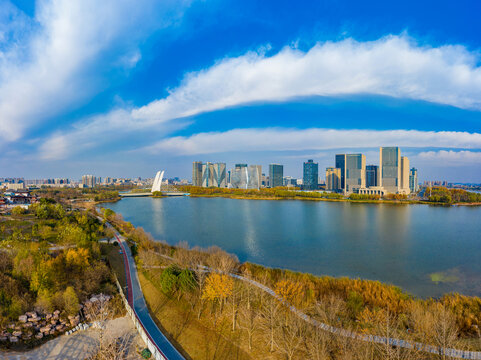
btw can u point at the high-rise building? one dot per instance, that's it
(394, 171)
(390, 169)
(404, 176)
(214, 175)
(89, 181)
(276, 173)
(239, 176)
(197, 173)
(333, 179)
(353, 171)
(413, 180)
(254, 176)
(372, 175)
(310, 175)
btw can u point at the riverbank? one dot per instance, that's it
(437, 198)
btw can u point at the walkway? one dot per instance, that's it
(136, 300)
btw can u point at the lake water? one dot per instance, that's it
(426, 250)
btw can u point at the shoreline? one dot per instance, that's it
(396, 202)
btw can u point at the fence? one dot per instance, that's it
(156, 353)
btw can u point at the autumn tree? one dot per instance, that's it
(218, 287)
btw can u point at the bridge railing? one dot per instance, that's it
(156, 353)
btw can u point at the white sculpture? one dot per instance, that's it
(157, 181)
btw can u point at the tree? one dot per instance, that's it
(290, 291)
(249, 321)
(71, 302)
(218, 287)
(18, 210)
(289, 337)
(270, 310)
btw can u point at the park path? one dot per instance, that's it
(79, 345)
(136, 300)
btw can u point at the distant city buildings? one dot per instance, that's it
(89, 181)
(310, 175)
(351, 175)
(276, 174)
(214, 175)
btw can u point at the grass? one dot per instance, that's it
(198, 339)
(116, 261)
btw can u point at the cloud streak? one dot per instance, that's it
(279, 139)
(450, 157)
(392, 66)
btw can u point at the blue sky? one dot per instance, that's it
(123, 88)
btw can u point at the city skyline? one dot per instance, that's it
(270, 83)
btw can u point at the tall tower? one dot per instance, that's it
(276, 173)
(390, 168)
(413, 180)
(197, 173)
(353, 171)
(310, 175)
(405, 175)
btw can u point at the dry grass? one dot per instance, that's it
(199, 339)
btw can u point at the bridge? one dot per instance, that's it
(156, 187)
(145, 194)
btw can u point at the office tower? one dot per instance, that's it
(239, 176)
(89, 181)
(197, 173)
(276, 173)
(372, 175)
(333, 179)
(220, 176)
(310, 175)
(214, 175)
(390, 169)
(405, 175)
(413, 180)
(254, 176)
(353, 171)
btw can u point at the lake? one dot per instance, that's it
(426, 250)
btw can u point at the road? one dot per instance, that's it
(136, 300)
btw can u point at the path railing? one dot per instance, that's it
(156, 353)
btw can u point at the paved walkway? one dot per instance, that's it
(80, 345)
(136, 300)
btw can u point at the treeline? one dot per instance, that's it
(279, 192)
(49, 259)
(444, 195)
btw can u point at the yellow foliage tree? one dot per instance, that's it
(218, 287)
(78, 257)
(292, 292)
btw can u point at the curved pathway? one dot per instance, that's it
(136, 300)
(453, 353)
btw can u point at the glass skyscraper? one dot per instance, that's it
(276, 173)
(372, 175)
(353, 171)
(311, 175)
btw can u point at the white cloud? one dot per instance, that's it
(450, 157)
(279, 139)
(392, 66)
(57, 64)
